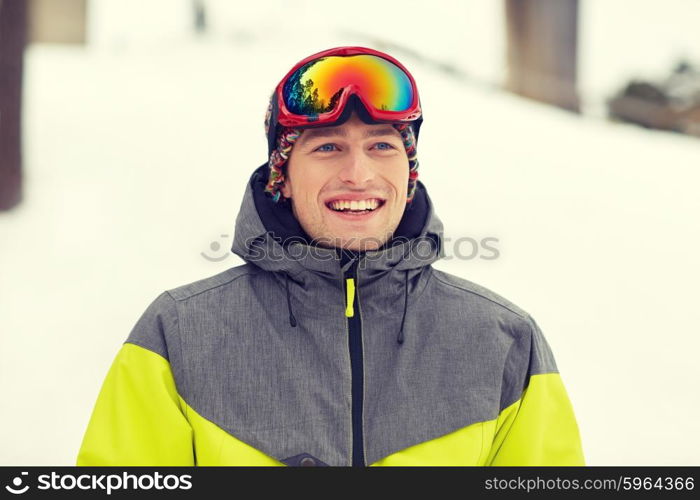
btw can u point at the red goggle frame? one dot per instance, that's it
(316, 90)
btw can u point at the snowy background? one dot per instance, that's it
(138, 147)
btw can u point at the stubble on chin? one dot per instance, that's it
(322, 235)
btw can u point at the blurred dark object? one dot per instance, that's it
(13, 33)
(542, 41)
(200, 17)
(57, 22)
(673, 104)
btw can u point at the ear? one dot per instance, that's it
(285, 189)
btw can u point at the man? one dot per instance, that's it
(336, 343)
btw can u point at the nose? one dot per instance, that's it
(357, 169)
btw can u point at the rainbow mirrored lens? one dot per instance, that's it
(317, 86)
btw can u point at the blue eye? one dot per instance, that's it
(389, 146)
(321, 148)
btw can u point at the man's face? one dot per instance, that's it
(352, 162)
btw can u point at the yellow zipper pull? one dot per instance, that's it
(350, 299)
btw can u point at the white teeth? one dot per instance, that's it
(370, 204)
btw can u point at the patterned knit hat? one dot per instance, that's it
(286, 137)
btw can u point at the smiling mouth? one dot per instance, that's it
(356, 213)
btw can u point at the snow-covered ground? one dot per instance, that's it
(136, 159)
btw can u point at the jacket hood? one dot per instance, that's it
(268, 236)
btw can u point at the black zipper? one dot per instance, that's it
(356, 370)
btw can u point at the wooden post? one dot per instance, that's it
(542, 44)
(13, 31)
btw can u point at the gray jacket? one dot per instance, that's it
(262, 350)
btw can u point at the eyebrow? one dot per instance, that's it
(314, 133)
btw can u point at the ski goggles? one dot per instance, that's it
(315, 91)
